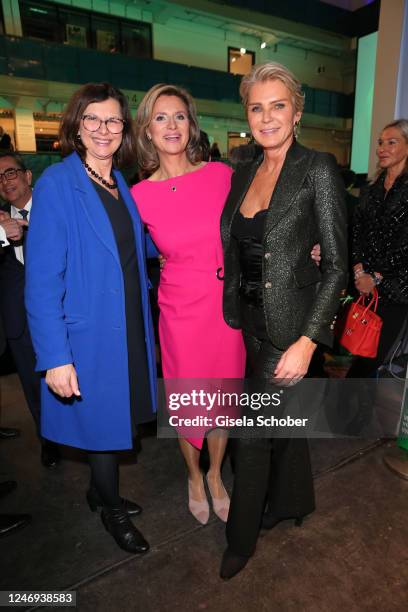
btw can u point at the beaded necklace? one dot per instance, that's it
(113, 185)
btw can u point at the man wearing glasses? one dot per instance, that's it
(15, 190)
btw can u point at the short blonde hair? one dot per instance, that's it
(147, 157)
(272, 71)
(402, 126)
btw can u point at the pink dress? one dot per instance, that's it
(183, 217)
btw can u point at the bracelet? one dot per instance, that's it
(377, 279)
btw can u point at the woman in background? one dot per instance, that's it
(380, 242)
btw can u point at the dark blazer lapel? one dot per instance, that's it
(294, 170)
(10, 248)
(6, 207)
(241, 182)
(92, 204)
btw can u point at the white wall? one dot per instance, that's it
(186, 42)
(197, 45)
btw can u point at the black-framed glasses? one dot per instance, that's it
(114, 125)
(10, 174)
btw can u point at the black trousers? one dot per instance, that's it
(274, 472)
(393, 316)
(24, 358)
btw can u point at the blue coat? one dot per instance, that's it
(76, 307)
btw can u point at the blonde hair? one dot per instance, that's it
(147, 157)
(272, 71)
(402, 127)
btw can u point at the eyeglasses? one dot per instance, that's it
(10, 174)
(114, 125)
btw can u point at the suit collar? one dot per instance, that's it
(294, 170)
(243, 176)
(295, 167)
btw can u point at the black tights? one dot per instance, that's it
(105, 477)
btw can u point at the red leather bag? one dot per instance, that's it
(360, 329)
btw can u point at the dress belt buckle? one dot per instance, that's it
(218, 274)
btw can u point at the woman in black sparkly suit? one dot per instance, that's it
(281, 203)
(380, 242)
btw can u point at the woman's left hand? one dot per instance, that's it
(294, 363)
(364, 283)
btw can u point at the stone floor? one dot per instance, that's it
(352, 554)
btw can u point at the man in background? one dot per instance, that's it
(15, 190)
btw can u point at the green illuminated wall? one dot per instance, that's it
(367, 51)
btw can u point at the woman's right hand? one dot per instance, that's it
(162, 261)
(63, 381)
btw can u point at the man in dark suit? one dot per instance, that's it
(15, 190)
(9, 522)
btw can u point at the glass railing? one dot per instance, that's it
(33, 59)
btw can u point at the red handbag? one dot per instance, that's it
(360, 328)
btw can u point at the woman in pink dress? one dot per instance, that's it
(180, 201)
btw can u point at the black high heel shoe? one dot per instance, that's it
(269, 521)
(117, 522)
(232, 564)
(95, 502)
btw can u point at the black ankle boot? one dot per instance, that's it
(119, 525)
(232, 564)
(95, 502)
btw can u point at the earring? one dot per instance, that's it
(148, 136)
(296, 129)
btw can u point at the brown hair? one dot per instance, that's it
(147, 156)
(271, 71)
(88, 94)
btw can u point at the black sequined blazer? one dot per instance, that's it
(307, 207)
(380, 236)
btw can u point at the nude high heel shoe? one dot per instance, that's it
(199, 509)
(220, 504)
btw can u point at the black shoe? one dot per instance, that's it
(7, 487)
(119, 525)
(50, 454)
(95, 502)
(269, 521)
(12, 522)
(9, 432)
(232, 564)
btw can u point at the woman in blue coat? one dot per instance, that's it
(87, 300)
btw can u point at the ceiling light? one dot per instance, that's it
(263, 45)
(242, 50)
(242, 134)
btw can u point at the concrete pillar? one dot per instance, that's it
(386, 71)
